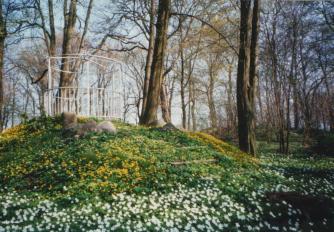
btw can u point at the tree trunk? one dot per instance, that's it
(52, 29)
(307, 124)
(150, 113)
(246, 76)
(50, 43)
(164, 104)
(330, 99)
(148, 57)
(288, 124)
(296, 117)
(211, 103)
(293, 78)
(182, 83)
(3, 34)
(242, 77)
(2, 48)
(252, 76)
(13, 104)
(183, 103)
(192, 104)
(189, 106)
(66, 78)
(170, 97)
(229, 107)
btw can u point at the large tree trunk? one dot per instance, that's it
(246, 78)
(150, 112)
(66, 78)
(3, 34)
(242, 77)
(66, 75)
(52, 29)
(148, 58)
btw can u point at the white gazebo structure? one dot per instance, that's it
(96, 86)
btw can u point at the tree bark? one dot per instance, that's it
(246, 78)
(211, 103)
(170, 97)
(193, 107)
(52, 29)
(242, 77)
(229, 108)
(190, 100)
(288, 124)
(13, 104)
(150, 112)
(66, 78)
(165, 104)
(148, 58)
(182, 83)
(3, 34)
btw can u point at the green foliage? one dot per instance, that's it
(80, 176)
(36, 155)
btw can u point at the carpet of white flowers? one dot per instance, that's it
(204, 207)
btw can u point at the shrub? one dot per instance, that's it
(324, 144)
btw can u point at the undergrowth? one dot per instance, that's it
(144, 179)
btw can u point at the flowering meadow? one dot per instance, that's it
(144, 179)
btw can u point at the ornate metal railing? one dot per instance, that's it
(95, 102)
(90, 71)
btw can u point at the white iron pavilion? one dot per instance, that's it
(95, 91)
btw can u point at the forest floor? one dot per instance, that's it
(145, 179)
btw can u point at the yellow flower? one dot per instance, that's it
(13, 133)
(223, 147)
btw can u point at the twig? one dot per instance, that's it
(176, 163)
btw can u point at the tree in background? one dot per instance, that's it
(3, 34)
(12, 23)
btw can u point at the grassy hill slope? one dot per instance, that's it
(148, 179)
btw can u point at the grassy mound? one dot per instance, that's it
(35, 155)
(145, 179)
